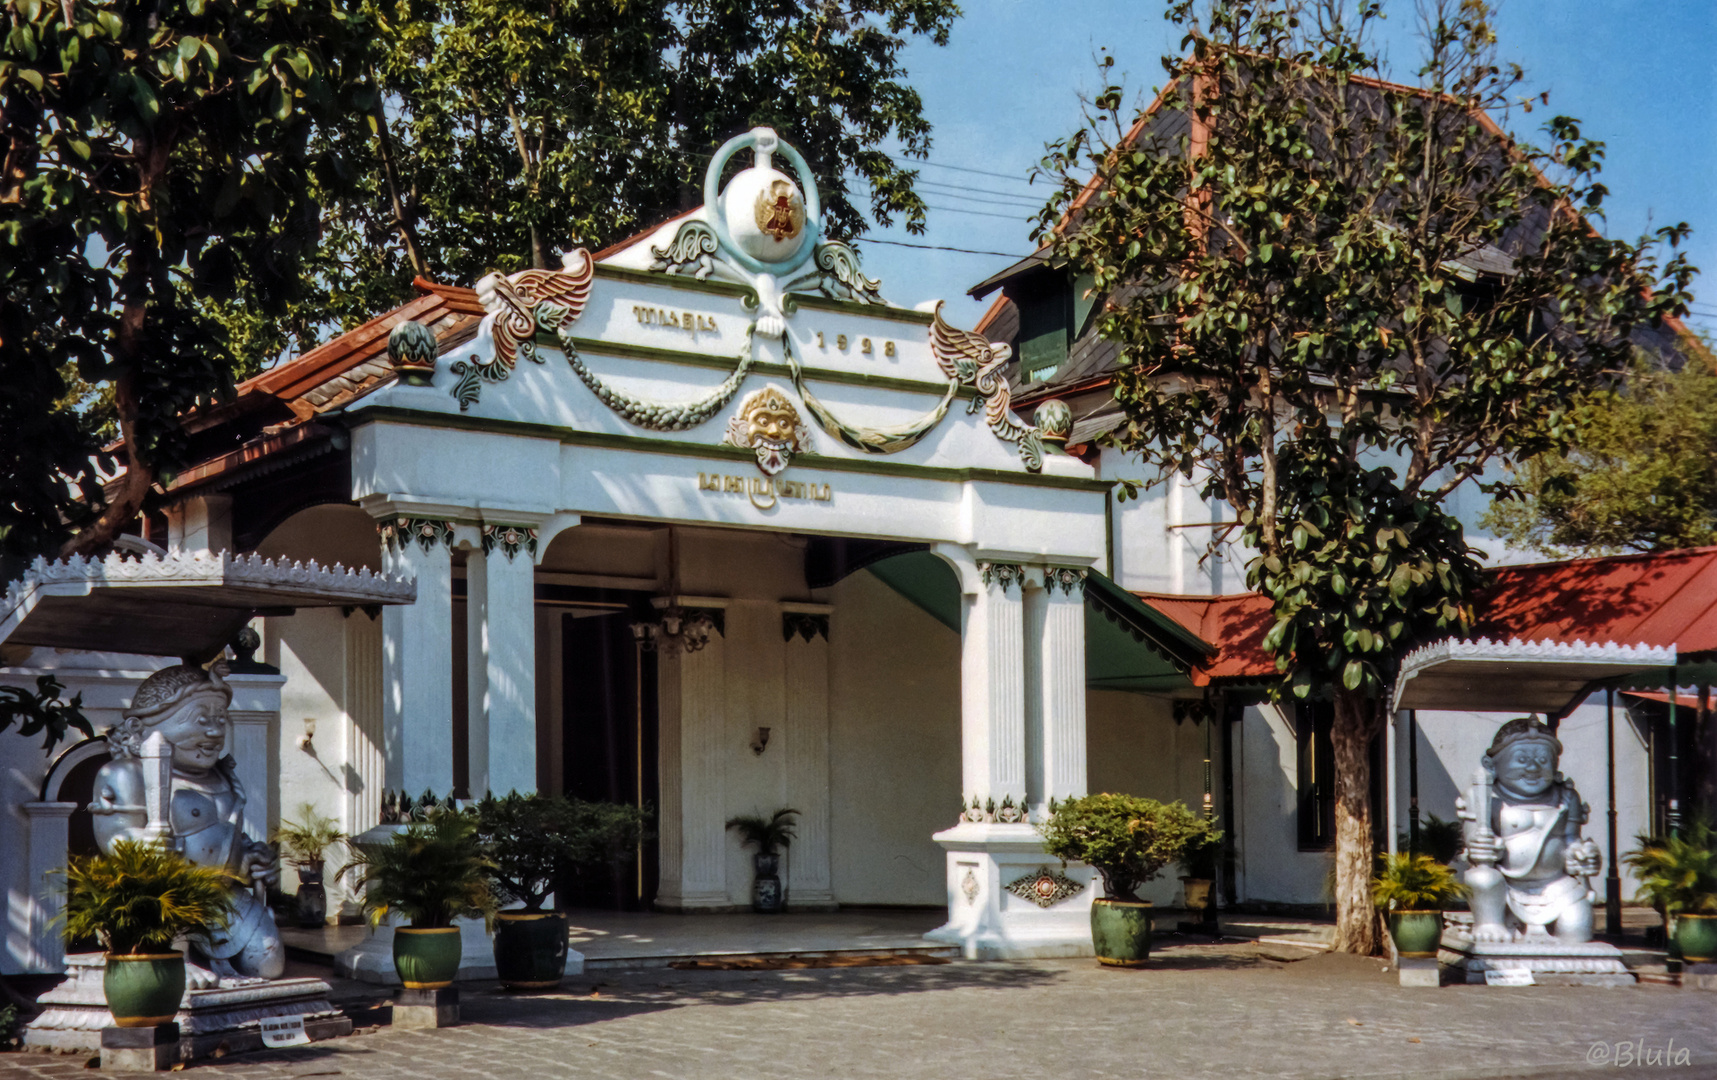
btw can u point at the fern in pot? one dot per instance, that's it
(430, 874)
(1411, 891)
(306, 842)
(770, 836)
(1678, 876)
(137, 900)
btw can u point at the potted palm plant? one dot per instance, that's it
(306, 842)
(136, 901)
(1198, 866)
(1678, 875)
(770, 836)
(1128, 840)
(1412, 890)
(430, 874)
(533, 841)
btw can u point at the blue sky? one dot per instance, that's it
(1641, 75)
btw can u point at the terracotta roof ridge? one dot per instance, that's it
(638, 237)
(1591, 560)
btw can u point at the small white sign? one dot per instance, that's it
(1512, 977)
(278, 1031)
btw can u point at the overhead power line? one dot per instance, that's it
(978, 213)
(969, 191)
(914, 162)
(939, 247)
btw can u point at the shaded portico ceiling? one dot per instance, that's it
(1129, 646)
(183, 604)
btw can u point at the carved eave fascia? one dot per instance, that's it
(1546, 676)
(181, 604)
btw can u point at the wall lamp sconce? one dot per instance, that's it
(760, 741)
(307, 741)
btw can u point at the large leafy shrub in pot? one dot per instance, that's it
(1127, 839)
(533, 841)
(137, 900)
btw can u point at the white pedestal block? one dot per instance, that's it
(371, 960)
(1046, 913)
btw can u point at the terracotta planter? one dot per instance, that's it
(426, 959)
(144, 990)
(1416, 933)
(530, 949)
(1697, 937)
(1121, 932)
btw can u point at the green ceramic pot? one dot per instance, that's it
(1121, 932)
(426, 959)
(1416, 933)
(144, 990)
(530, 949)
(1697, 937)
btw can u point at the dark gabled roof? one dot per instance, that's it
(1092, 360)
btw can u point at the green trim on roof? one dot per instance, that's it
(780, 371)
(745, 293)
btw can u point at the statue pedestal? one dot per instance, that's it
(75, 1012)
(1549, 962)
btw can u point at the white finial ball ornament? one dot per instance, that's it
(765, 212)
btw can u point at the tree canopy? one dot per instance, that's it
(1641, 476)
(1339, 299)
(158, 157)
(193, 187)
(510, 131)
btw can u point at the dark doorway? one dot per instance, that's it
(609, 748)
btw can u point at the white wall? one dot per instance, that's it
(894, 717)
(1269, 866)
(1136, 748)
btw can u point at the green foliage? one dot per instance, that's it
(1638, 478)
(43, 712)
(1441, 840)
(1407, 882)
(1342, 358)
(769, 835)
(1678, 873)
(430, 874)
(158, 157)
(141, 897)
(508, 131)
(1202, 856)
(534, 839)
(1128, 839)
(308, 838)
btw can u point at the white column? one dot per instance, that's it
(364, 721)
(809, 882)
(477, 673)
(417, 667)
(201, 523)
(1390, 768)
(510, 686)
(992, 690)
(48, 833)
(255, 718)
(1057, 614)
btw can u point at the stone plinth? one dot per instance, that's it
(75, 1012)
(1419, 971)
(426, 1008)
(1699, 976)
(1007, 899)
(1551, 962)
(140, 1049)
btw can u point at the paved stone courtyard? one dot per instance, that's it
(1200, 1011)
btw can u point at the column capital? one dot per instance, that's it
(1067, 580)
(1001, 575)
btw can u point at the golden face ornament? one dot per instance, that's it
(768, 424)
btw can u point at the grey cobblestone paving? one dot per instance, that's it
(1199, 1012)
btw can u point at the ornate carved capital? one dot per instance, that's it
(1002, 574)
(1070, 579)
(509, 538)
(426, 531)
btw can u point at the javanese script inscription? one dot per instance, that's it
(765, 491)
(691, 322)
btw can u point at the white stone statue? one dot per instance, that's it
(171, 780)
(1530, 867)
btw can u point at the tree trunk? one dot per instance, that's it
(123, 503)
(1356, 922)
